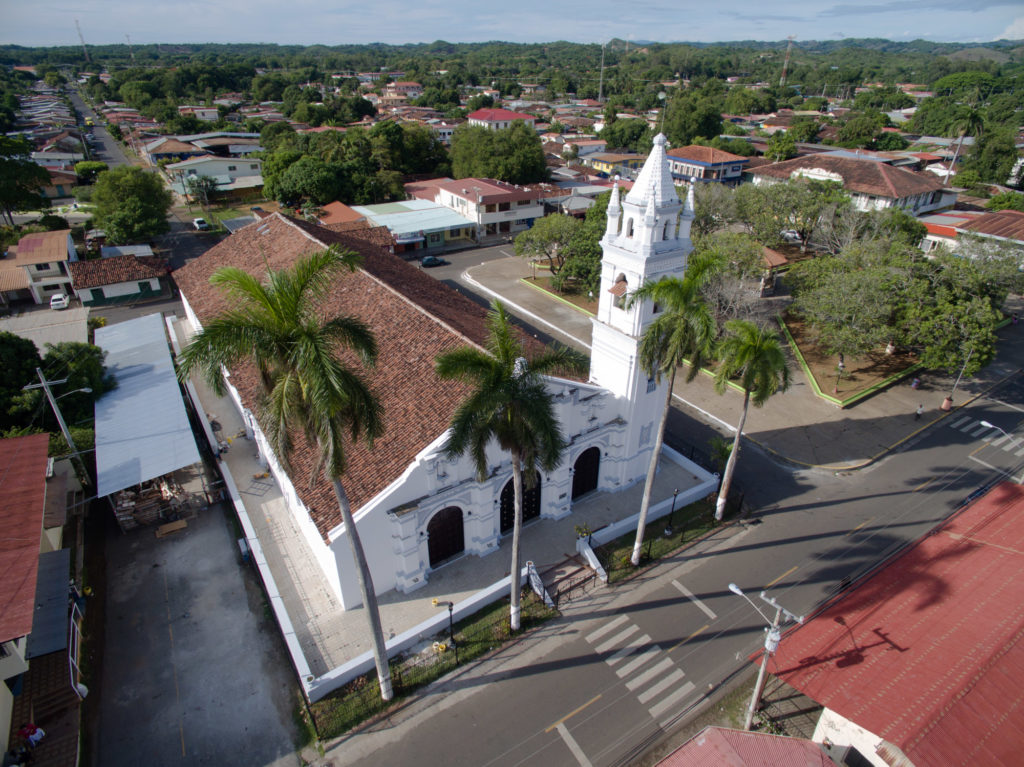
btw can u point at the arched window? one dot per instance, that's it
(619, 291)
(664, 234)
(629, 227)
(585, 472)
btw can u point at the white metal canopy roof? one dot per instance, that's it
(142, 428)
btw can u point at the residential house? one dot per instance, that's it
(495, 208)
(498, 119)
(61, 184)
(57, 160)
(725, 747)
(705, 164)
(405, 89)
(117, 279)
(872, 185)
(614, 163)
(239, 178)
(34, 617)
(207, 114)
(585, 145)
(170, 149)
(420, 225)
(921, 664)
(415, 508)
(43, 259)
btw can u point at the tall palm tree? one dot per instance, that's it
(969, 122)
(278, 326)
(683, 330)
(510, 404)
(755, 355)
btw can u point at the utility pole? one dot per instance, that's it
(45, 386)
(600, 87)
(84, 49)
(785, 64)
(131, 53)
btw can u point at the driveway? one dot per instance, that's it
(194, 669)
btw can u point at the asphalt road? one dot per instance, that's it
(593, 690)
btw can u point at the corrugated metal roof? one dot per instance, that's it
(413, 216)
(927, 654)
(142, 428)
(50, 621)
(1002, 223)
(723, 747)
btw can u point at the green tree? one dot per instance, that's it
(510, 405)
(548, 238)
(859, 131)
(581, 271)
(308, 179)
(21, 180)
(279, 326)
(780, 146)
(754, 355)
(19, 359)
(131, 204)
(82, 365)
(201, 188)
(512, 154)
(1006, 201)
(87, 170)
(891, 142)
(993, 156)
(682, 332)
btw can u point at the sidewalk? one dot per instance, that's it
(795, 426)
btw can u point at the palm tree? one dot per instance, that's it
(970, 122)
(755, 355)
(683, 331)
(510, 404)
(278, 326)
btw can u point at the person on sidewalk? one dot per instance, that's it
(919, 412)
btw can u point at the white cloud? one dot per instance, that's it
(1015, 31)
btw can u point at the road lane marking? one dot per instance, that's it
(998, 442)
(987, 465)
(573, 713)
(701, 630)
(607, 645)
(660, 708)
(960, 421)
(595, 635)
(690, 595)
(772, 583)
(628, 650)
(858, 527)
(649, 674)
(979, 430)
(638, 661)
(573, 746)
(664, 684)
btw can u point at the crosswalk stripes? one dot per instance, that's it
(992, 437)
(647, 671)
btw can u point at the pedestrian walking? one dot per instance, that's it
(919, 412)
(1015, 318)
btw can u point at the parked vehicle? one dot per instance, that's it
(200, 224)
(791, 236)
(59, 301)
(429, 261)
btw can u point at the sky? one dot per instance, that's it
(307, 22)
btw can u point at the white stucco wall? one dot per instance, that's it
(840, 731)
(125, 288)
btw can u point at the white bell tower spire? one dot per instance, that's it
(647, 238)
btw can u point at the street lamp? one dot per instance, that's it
(451, 627)
(671, 514)
(84, 390)
(771, 643)
(45, 386)
(839, 374)
(988, 425)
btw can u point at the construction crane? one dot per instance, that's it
(84, 49)
(785, 64)
(131, 53)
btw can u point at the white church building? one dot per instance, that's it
(415, 509)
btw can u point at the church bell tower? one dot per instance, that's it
(647, 238)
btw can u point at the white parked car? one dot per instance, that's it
(59, 301)
(200, 224)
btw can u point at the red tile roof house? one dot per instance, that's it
(499, 209)
(872, 185)
(706, 164)
(724, 747)
(497, 119)
(117, 279)
(923, 664)
(32, 515)
(416, 509)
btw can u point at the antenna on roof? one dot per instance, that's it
(84, 49)
(785, 64)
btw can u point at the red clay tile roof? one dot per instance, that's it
(22, 502)
(862, 176)
(724, 747)
(705, 154)
(498, 115)
(1000, 223)
(928, 653)
(337, 213)
(414, 318)
(109, 271)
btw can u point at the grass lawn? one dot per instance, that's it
(860, 374)
(580, 300)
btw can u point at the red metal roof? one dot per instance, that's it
(498, 115)
(1001, 223)
(927, 653)
(22, 502)
(722, 747)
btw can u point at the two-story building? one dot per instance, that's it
(498, 119)
(615, 163)
(42, 258)
(495, 208)
(236, 177)
(705, 163)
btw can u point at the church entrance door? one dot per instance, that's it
(445, 535)
(531, 504)
(585, 472)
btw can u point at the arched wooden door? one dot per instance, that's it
(531, 504)
(585, 472)
(445, 536)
